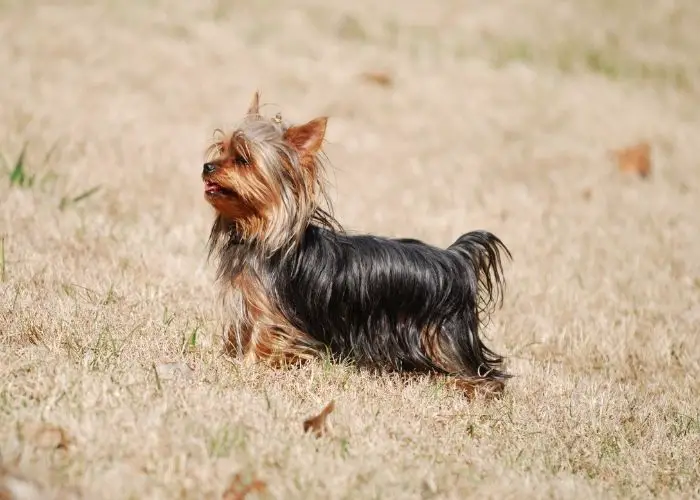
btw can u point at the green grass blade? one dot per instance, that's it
(67, 201)
(85, 194)
(18, 175)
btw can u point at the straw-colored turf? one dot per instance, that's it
(498, 115)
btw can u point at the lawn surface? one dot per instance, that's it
(493, 115)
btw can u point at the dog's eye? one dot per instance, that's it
(241, 160)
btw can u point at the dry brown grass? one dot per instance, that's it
(492, 114)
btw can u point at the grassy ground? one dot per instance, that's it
(496, 115)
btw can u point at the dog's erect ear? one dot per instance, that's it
(307, 138)
(254, 108)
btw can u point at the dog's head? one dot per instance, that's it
(265, 179)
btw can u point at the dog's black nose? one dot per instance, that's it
(208, 168)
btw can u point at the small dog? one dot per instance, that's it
(295, 284)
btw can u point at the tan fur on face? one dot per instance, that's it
(276, 172)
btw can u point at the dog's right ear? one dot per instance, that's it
(254, 108)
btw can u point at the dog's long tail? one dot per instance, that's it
(481, 254)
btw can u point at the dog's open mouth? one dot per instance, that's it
(214, 189)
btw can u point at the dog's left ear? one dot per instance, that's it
(307, 138)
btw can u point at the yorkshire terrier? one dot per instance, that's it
(295, 284)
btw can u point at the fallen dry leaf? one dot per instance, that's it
(318, 423)
(378, 77)
(238, 489)
(634, 159)
(45, 435)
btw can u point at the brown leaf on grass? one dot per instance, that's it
(238, 488)
(634, 159)
(318, 424)
(45, 435)
(378, 78)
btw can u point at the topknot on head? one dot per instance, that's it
(256, 126)
(253, 113)
(258, 131)
(305, 139)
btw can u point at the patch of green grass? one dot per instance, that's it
(601, 62)
(612, 62)
(608, 58)
(105, 351)
(344, 444)
(18, 175)
(221, 10)
(513, 51)
(609, 447)
(107, 348)
(189, 341)
(18, 172)
(573, 56)
(350, 28)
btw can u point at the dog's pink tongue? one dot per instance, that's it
(210, 187)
